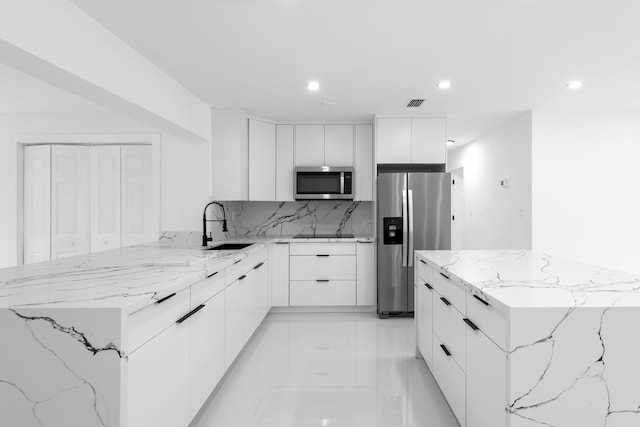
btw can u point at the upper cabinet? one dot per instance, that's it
(324, 145)
(284, 163)
(363, 166)
(309, 145)
(411, 140)
(229, 155)
(262, 160)
(338, 145)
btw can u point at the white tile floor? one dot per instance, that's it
(329, 370)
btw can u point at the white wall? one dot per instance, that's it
(496, 217)
(57, 42)
(585, 186)
(184, 168)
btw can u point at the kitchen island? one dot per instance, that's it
(115, 338)
(522, 339)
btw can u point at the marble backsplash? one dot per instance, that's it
(262, 219)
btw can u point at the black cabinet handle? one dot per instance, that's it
(282, 243)
(422, 261)
(445, 301)
(212, 274)
(481, 300)
(444, 275)
(323, 255)
(161, 300)
(445, 349)
(189, 314)
(237, 261)
(428, 286)
(471, 324)
(242, 277)
(322, 280)
(258, 266)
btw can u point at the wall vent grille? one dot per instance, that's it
(415, 103)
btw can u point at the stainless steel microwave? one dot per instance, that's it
(323, 183)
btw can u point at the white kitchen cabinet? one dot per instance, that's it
(365, 273)
(262, 160)
(309, 145)
(428, 140)
(280, 274)
(230, 154)
(70, 214)
(37, 203)
(393, 140)
(411, 140)
(338, 145)
(451, 379)
(284, 163)
(363, 164)
(158, 380)
(424, 321)
(206, 350)
(235, 296)
(262, 289)
(486, 381)
(105, 197)
(140, 224)
(323, 293)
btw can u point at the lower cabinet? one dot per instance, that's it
(158, 380)
(365, 276)
(280, 274)
(459, 343)
(235, 307)
(486, 381)
(424, 321)
(206, 352)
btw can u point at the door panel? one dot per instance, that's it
(37, 203)
(105, 197)
(137, 200)
(392, 276)
(70, 230)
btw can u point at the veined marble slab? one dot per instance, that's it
(572, 346)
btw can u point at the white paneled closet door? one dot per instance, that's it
(70, 213)
(139, 223)
(37, 203)
(105, 197)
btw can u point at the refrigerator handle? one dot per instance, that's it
(405, 231)
(410, 228)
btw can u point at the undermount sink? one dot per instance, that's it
(229, 247)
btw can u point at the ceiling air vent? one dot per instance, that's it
(415, 103)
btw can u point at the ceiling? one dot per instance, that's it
(372, 56)
(23, 94)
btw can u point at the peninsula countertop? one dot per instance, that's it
(128, 278)
(524, 278)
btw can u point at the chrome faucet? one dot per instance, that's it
(206, 238)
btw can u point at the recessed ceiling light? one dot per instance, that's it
(313, 86)
(575, 84)
(450, 142)
(445, 84)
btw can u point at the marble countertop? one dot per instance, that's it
(520, 279)
(128, 278)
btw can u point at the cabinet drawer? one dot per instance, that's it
(449, 325)
(245, 265)
(311, 293)
(489, 318)
(451, 380)
(425, 273)
(322, 249)
(451, 290)
(207, 288)
(332, 267)
(146, 323)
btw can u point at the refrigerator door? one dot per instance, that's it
(430, 216)
(392, 242)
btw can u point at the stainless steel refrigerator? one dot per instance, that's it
(413, 213)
